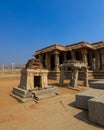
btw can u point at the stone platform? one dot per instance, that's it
(83, 97)
(96, 109)
(21, 95)
(26, 95)
(98, 84)
(45, 93)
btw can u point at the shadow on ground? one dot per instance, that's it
(83, 116)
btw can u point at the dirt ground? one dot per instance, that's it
(57, 113)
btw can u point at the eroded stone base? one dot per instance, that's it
(25, 95)
(96, 109)
(21, 94)
(48, 91)
(99, 84)
(83, 97)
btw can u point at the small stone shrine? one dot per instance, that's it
(75, 66)
(33, 82)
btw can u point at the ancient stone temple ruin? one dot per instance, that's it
(74, 67)
(33, 82)
(92, 54)
(34, 75)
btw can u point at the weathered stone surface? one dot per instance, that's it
(97, 84)
(96, 109)
(27, 78)
(21, 94)
(74, 65)
(34, 64)
(83, 97)
(52, 90)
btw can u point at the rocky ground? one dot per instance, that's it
(57, 113)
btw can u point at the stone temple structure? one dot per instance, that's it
(74, 66)
(33, 82)
(91, 54)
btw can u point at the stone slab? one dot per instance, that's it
(83, 97)
(21, 92)
(96, 109)
(50, 91)
(97, 84)
(21, 95)
(22, 100)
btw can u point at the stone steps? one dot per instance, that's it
(91, 75)
(45, 93)
(53, 75)
(98, 84)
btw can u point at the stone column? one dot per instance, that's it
(97, 60)
(2, 67)
(90, 60)
(84, 55)
(47, 61)
(61, 76)
(41, 58)
(86, 77)
(102, 58)
(74, 78)
(56, 53)
(12, 66)
(73, 55)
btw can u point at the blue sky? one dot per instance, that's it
(29, 25)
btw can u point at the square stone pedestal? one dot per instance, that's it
(31, 79)
(83, 97)
(96, 109)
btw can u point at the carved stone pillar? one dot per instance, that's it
(2, 67)
(90, 60)
(56, 53)
(74, 77)
(97, 60)
(73, 55)
(102, 58)
(41, 58)
(86, 78)
(47, 61)
(84, 55)
(61, 76)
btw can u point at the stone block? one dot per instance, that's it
(96, 109)
(97, 84)
(21, 94)
(83, 97)
(41, 94)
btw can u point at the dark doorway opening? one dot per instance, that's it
(37, 81)
(61, 58)
(52, 62)
(78, 55)
(44, 57)
(68, 55)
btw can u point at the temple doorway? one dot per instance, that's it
(37, 81)
(52, 62)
